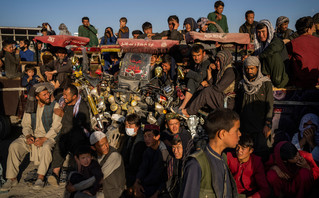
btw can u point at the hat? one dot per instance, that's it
(96, 136)
(171, 116)
(176, 139)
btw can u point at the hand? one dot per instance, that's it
(59, 112)
(69, 187)
(55, 84)
(204, 83)
(17, 51)
(280, 174)
(212, 66)
(49, 75)
(138, 189)
(39, 141)
(29, 139)
(29, 79)
(164, 37)
(266, 131)
(150, 35)
(87, 192)
(186, 71)
(211, 22)
(309, 136)
(155, 195)
(303, 163)
(218, 17)
(217, 44)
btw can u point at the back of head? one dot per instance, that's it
(133, 119)
(220, 119)
(219, 3)
(27, 42)
(173, 18)
(288, 151)
(83, 150)
(73, 89)
(303, 24)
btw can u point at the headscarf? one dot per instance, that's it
(253, 87)
(225, 58)
(64, 30)
(315, 120)
(202, 21)
(191, 22)
(260, 46)
(290, 169)
(31, 100)
(281, 20)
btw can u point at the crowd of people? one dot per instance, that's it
(165, 160)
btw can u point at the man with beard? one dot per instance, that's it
(256, 105)
(39, 131)
(57, 71)
(74, 132)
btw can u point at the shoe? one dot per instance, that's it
(179, 112)
(53, 180)
(8, 185)
(39, 184)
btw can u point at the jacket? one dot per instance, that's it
(250, 29)
(222, 23)
(89, 32)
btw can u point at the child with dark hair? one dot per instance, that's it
(30, 77)
(206, 173)
(248, 169)
(11, 63)
(218, 17)
(124, 31)
(291, 172)
(151, 177)
(88, 178)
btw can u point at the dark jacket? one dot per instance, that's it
(284, 35)
(272, 63)
(109, 40)
(250, 29)
(28, 85)
(11, 65)
(94, 169)
(172, 35)
(63, 70)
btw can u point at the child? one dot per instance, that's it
(30, 77)
(88, 179)
(124, 32)
(248, 170)
(151, 178)
(218, 17)
(11, 63)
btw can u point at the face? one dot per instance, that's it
(217, 64)
(153, 59)
(166, 67)
(172, 24)
(68, 96)
(243, 153)
(178, 150)
(128, 125)
(135, 36)
(296, 159)
(284, 26)
(21, 44)
(311, 30)
(44, 33)
(148, 31)
(39, 46)
(8, 48)
(220, 9)
(122, 23)
(231, 137)
(61, 56)
(44, 97)
(198, 56)
(262, 34)
(173, 125)
(204, 28)
(86, 22)
(312, 125)
(150, 139)
(250, 18)
(188, 27)
(30, 72)
(102, 147)
(85, 159)
(251, 71)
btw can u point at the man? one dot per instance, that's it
(218, 17)
(282, 30)
(148, 32)
(197, 74)
(269, 48)
(304, 54)
(25, 53)
(248, 170)
(75, 129)
(133, 148)
(89, 31)
(219, 91)
(58, 70)
(39, 130)
(172, 33)
(111, 164)
(206, 174)
(256, 105)
(250, 25)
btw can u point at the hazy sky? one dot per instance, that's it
(104, 13)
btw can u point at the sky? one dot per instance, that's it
(106, 13)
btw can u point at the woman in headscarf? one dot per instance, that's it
(291, 172)
(64, 30)
(255, 104)
(108, 38)
(307, 139)
(219, 91)
(269, 48)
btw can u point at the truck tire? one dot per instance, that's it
(4, 127)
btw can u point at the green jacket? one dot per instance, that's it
(89, 32)
(222, 23)
(272, 63)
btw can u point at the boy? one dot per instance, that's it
(25, 53)
(88, 179)
(124, 32)
(206, 174)
(218, 17)
(248, 169)
(11, 63)
(151, 178)
(30, 77)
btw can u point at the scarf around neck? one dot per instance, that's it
(259, 45)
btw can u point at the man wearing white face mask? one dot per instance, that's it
(133, 148)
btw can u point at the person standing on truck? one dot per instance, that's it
(87, 30)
